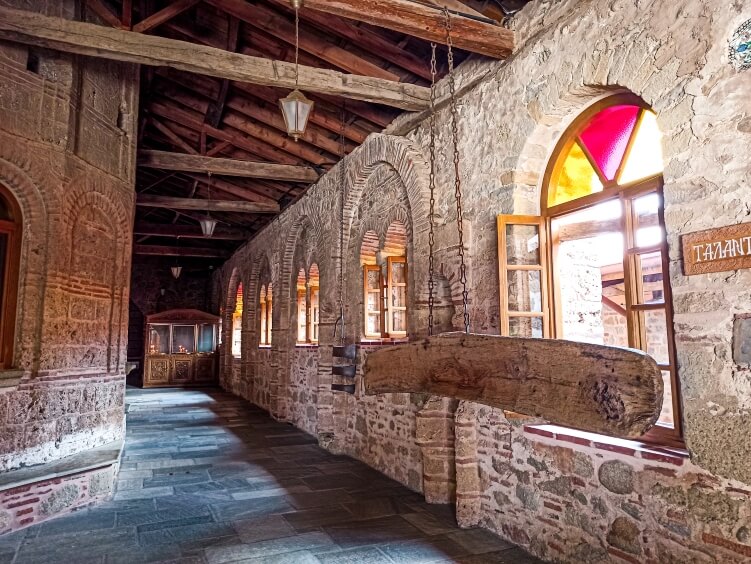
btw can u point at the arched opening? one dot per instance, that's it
(237, 323)
(10, 255)
(266, 305)
(606, 249)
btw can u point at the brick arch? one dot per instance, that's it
(406, 160)
(34, 262)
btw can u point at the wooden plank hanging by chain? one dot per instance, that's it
(608, 390)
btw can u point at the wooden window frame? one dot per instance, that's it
(541, 267)
(379, 300)
(13, 228)
(313, 313)
(388, 287)
(266, 311)
(660, 435)
(302, 301)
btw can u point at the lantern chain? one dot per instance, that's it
(431, 213)
(457, 178)
(341, 221)
(297, 44)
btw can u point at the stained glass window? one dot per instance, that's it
(619, 145)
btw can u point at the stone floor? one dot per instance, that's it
(208, 478)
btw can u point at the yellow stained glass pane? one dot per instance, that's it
(645, 157)
(576, 178)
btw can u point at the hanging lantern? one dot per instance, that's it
(208, 224)
(296, 110)
(296, 107)
(176, 270)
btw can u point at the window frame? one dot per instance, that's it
(13, 228)
(266, 309)
(366, 268)
(313, 313)
(388, 288)
(625, 193)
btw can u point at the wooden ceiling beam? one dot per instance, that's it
(194, 121)
(425, 22)
(216, 109)
(262, 17)
(319, 117)
(189, 231)
(226, 167)
(120, 45)
(175, 251)
(126, 14)
(254, 193)
(172, 136)
(166, 14)
(259, 117)
(366, 39)
(237, 206)
(109, 17)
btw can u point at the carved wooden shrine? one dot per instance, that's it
(180, 349)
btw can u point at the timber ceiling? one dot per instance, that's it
(199, 115)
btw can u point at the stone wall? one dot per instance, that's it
(565, 496)
(67, 153)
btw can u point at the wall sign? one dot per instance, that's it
(717, 250)
(740, 47)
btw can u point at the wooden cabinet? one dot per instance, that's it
(180, 349)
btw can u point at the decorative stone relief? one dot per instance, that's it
(740, 47)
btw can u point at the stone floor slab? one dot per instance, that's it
(208, 478)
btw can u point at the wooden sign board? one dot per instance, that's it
(717, 250)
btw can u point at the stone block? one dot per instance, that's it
(616, 476)
(742, 339)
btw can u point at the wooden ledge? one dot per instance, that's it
(100, 457)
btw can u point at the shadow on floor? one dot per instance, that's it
(208, 478)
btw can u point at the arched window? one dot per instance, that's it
(308, 292)
(594, 266)
(385, 283)
(266, 313)
(237, 323)
(10, 257)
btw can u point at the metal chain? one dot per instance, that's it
(297, 43)
(431, 215)
(341, 222)
(457, 177)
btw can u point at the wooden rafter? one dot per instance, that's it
(261, 17)
(189, 231)
(227, 167)
(425, 22)
(237, 206)
(366, 39)
(115, 44)
(216, 109)
(175, 251)
(172, 136)
(164, 15)
(109, 17)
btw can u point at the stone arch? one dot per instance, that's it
(34, 263)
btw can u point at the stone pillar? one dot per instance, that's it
(435, 436)
(467, 471)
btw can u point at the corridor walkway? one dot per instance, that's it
(208, 478)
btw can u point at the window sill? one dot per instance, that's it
(306, 345)
(10, 378)
(264, 347)
(386, 341)
(627, 447)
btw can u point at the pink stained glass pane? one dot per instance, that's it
(606, 137)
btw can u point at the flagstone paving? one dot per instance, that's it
(207, 478)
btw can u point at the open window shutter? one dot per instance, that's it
(523, 260)
(396, 297)
(372, 301)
